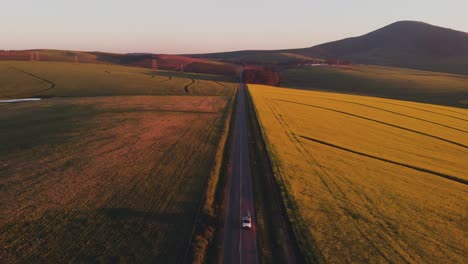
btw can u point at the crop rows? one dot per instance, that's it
(367, 179)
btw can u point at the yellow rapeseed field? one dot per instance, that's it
(369, 180)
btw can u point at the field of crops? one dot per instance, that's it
(49, 79)
(369, 180)
(89, 177)
(394, 83)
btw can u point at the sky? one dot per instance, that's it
(201, 26)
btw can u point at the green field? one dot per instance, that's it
(368, 180)
(50, 79)
(260, 57)
(394, 83)
(111, 166)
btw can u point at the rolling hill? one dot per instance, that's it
(385, 82)
(407, 44)
(165, 62)
(277, 57)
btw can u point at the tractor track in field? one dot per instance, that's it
(220, 83)
(446, 110)
(51, 84)
(153, 75)
(393, 112)
(152, 88)
(225, 87)
(187, 86)
(379, 122)
(443, 175)
(168, 79)
(417, 108)
(441, 109)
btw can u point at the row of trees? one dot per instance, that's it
(262, 75)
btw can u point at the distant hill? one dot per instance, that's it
(165, 62)
(406, 44)
(277, 57)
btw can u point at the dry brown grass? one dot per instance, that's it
(368, 179)
(106, 178)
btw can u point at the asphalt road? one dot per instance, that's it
(240, 245)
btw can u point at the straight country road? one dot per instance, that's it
(240, 245)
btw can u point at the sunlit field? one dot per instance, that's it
(368, 179)
(63, 79)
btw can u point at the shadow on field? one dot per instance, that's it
(104, 235)
(127, 214)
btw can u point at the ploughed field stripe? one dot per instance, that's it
(220, 83)
(420, 109)
(380, 122)
(168, 79)
(51, 84)
(186, 87)
(392, 112)
(443, 175)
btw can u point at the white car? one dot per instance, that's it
(247, 222)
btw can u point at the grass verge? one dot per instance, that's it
(275, 236)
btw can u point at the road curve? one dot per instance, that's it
(240, 245)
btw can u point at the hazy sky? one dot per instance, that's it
(207, 25)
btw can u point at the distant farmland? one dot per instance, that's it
(49, 79)
(368, 179)
(166, 62)
(85, 176)
(394, 83)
